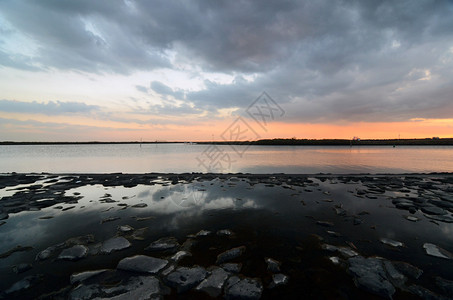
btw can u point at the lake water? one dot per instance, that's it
(179, 158)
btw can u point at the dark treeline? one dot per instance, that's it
(344, 142)
(280, 142)
(365, 142)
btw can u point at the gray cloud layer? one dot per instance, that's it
(49, 108)
(323, 61)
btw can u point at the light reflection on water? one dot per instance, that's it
(233, 203)
(178, 158)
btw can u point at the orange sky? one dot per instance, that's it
(67, 74)
(89, 130)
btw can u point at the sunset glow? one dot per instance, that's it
(80, 73)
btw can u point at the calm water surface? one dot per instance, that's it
(177, 158)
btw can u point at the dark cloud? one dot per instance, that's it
(49, 108)
(324, 61)
(165, 90)
(17, 61)
(141, 88)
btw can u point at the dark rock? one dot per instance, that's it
(394, 275)
(369, 274)
(437, 251)
(226, 232)
(142, 264)
(230, 254)
(82, 276)
(433, 210)
(164, 244)
(24, 284)
(74, 253)
(15, 249)
(325, 223)
(357, 221)
(168, 270)
(180, 255)
(407, 269)
(114, 244)
(446, 286)
(21, 268)
(412, 218)
(213, 284)
(340, 211)
(403, 204)
(278, 280)
(80, 240)
(446, 219)
(46, 253)
(140, 205)
(68, 208)
(125, 228)
(139, 234)
(423, 293)
(345, 251)
(232, 267)
(202, 233)
(137, 288)
(184, 279)
(109, 219)
(246, 288)
(273, 265)
(391, 242)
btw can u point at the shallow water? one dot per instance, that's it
(272, 217)
(178, 158)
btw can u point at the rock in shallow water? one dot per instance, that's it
(202, 233)
(278, 280)
(232, 267)
(412, 218)
(142, 263)
(180, 255)
(230, 254)
(125, 228)
(273, 265)
(345, 251)
(225, 232)
(24, 284)
(423, 293)
(370, 275)
(110, 219)
(46, 253)
(183, 279)
(407, 269)
(246, 288)
(391, 242)
(82, 276)
(164, 244)
(446, 286)
(433, 210)
(114, 244)
(136, 288)
(436, 251)
(214, 283)
(20, 268)
(446, 219)
(74, 253)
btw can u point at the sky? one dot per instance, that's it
(197, 70)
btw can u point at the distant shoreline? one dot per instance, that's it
(273, 142)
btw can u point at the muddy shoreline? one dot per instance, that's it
(228, 235)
